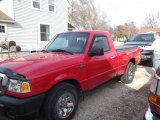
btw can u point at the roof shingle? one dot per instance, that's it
(144, 30)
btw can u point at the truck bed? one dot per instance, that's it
(123, 47)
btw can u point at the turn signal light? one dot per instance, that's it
(25, 87)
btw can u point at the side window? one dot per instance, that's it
(37, 4)
(3, 29)
(101, 42)
(44, 32)
(52, 5)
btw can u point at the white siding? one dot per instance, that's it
(26, 32)
(7, 7)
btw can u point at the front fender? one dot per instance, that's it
(63, 78)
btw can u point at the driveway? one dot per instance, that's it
(115, 100)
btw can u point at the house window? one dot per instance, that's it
(36, 4)
(44, 32)
(3, 29)
(51, 5)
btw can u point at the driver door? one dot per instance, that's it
(100, 68)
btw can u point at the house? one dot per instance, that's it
(69, 7)
(32, 23)
(145, 30)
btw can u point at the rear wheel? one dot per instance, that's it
(61, 103)
(129, 73)
(151, 63)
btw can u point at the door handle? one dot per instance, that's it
(112, 57)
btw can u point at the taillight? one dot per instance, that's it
(158, 71)
(154, 99)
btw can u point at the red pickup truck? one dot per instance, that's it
(50, 82)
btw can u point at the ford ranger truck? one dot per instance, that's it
(49, 83)
(153, 112)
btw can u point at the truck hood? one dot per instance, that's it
(40, 63)
(138, 43)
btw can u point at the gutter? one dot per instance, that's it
(8, 21)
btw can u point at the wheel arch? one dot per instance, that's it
(71, 81)
(132, 60)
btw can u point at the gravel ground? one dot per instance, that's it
(115, 100)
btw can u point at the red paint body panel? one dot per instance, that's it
(44, 70)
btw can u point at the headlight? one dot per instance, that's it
(153, 85)
(18, 86)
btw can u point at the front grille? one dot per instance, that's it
(3, 83)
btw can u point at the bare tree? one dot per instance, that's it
(85, 15)
(125, 31)
(130, 29)
(119, 32)
(152, 20)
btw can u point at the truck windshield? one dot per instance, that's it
(72, 42)
(142, 38)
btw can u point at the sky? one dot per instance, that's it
(121, 11)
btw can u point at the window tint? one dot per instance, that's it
(36, 4)
(101, 42)
(44, 32)
(51, 5)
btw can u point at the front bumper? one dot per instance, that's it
(21, 109)
(151, 116)
(146, 55)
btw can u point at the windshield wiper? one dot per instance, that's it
(39, 51)
(61, 50)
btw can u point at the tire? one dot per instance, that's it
(151, 64)
(129, 74)
(11, 43)
(18, 48)
(61, 103)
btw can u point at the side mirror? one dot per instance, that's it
(96, 51)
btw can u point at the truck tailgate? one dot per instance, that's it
(123, 47)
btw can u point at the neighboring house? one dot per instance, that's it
(69, 7)
(145, 30)
(32, 23)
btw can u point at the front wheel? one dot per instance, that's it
(129, 73)
(62, 103)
